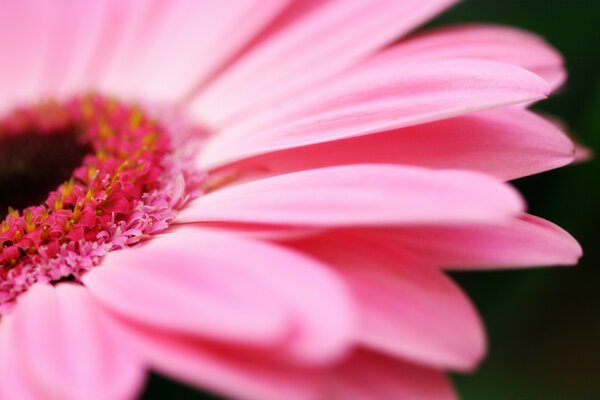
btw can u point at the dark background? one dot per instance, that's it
(543, 324)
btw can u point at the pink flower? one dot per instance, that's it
(260, 196)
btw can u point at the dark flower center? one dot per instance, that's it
(85, 177)
(34, 163)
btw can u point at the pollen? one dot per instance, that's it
(121, 192)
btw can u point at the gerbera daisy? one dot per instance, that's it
(259, 197)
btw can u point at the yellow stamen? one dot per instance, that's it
(105, 130)
(135, 119)
(67, 188)
(13, 213)
(29, 224)
(77, 210)
(89, 196)
(58, 203)
(92, 172)
(68, 226)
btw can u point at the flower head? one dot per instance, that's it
(259, 198)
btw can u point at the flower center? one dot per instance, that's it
(32, 164)
(82, 178)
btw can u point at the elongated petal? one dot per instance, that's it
(508, 143)
(188, 43)
(64, 350)
(376, 99)
(488, 42)
(24, 28)
(359, 195)
(74, 35)
(230, 372)
(369, 376)
(13, 383)
(223, 287)
(406, 308)
(299, 55)
(524, 242)
(175, 289)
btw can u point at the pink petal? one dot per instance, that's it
(370, 376)
(359, 195)
(24, 28)
(186, 44)
(508, 143)
(377, 98)
(228, 372)
(583, 153)
(523, 242)
(122, 43)
(299, 55)
(406, 308)
(488, 42)
(64, 349)
(13, 383)
(75, 29)
(226, 288)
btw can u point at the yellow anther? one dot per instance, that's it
(18, 235)
(105, 131)
(67, 187)
(29, 224)
(136, 117)
(87, 108)
(68, 226)
(5, 226)
(92, 172)
(102, 154)
(13, 213)
(111, 105)
(58, 203)
(150, 138)
(77, 210)
(89, 196)
(116, 176)
(30, 227)
(124, 165)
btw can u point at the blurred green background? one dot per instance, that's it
(543, 324)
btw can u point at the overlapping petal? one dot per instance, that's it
(358, 195)
(387, 96)
(485, 42)
(60, 348)
(368, 375)
(406, 308)
(231, 372)
(191, 282)
(372, 165)
(508, 143)
(186, 45)
(521, 242)
(297, 53)
(23, 44)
